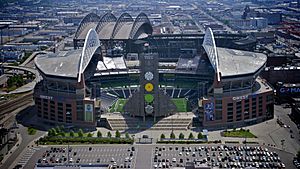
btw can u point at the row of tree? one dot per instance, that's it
(181, 136)
(59, 131)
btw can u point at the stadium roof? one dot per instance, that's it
(237, 62)
(64, 63)
(108, 26)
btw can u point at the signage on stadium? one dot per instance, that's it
(46, 97)
(148, 57)
(240, 97)
(290, 90)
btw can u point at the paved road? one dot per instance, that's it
(144, 156)
(26, 139)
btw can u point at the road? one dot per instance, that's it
(291, 144)
(26, 139)
(144, 154)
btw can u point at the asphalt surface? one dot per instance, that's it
(143, 156)
(117, 155)
(26, 139)
(24, 146)
(220, 156)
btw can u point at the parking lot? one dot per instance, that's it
(118, 156)
(221, 156)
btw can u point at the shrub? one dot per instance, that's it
(57, 130)
(80, 133)
(162, 136)
(90, 135)
(200, 136)
(51, 133)
(99, 134)
(72, 133)
(181, 136)
(172, 135)
(31, 131)
(118, 134)
(191, 136)
(109, 134)
(127, 135)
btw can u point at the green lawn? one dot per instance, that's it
(118, 105)
(239, 133)
(181, 104)
(75, 134)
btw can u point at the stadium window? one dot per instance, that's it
(79, 110)
(270, 98)
(230, 112)
(254, 107)
(238, 111)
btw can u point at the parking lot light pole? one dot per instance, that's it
(68, 158)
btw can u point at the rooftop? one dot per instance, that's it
(236, 62)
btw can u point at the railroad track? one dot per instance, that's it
(8, 107)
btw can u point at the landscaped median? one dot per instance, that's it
(83, 140)
(242, 133)
(58, 136)
(181, 140)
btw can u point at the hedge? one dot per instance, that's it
(83, 140)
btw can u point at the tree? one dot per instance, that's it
(109, 134)
(63, 134)
(191, 136)
(127, 135)
(181, 136)
(57, 130)
(99, 134)
(80, 133)
(162, 136)
(172, 135)
(72, 133)
(90, 135)
(118, 134)
(51, 133)
(200, 136)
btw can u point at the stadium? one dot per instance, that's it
(208, 86)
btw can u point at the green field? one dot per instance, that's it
(181, 104)
(118, 106)
(239, 133)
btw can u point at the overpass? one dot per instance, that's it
(27, 87)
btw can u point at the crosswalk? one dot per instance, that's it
(27, 155)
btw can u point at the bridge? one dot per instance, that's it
(27, 87)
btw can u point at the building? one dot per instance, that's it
(221, 85)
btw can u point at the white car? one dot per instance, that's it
(174, 160)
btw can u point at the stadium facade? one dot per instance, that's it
(222, 85)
